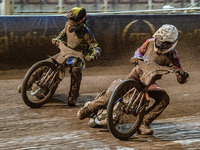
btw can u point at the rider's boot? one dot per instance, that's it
(32, 79)
(145, 130)
(76, 77)
(19, 88)
(72, 101)
(162, 101)
(84, 112)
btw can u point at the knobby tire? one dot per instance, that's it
(114, 97)
(26, 79)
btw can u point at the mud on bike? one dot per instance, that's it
(129, 102)
(42, 79)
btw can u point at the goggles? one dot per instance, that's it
(72, 18)
(163, 45)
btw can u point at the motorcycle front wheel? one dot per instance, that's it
(35, 89)
(123, 122)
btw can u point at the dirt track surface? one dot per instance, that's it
(55, 125)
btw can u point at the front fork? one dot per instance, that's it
(52, 78)
(137, 103)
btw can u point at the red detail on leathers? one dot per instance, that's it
(155, 87)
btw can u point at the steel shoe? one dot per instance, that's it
(92, 123)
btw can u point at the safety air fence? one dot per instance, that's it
(25, 40)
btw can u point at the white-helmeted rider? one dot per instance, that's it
(163, 45)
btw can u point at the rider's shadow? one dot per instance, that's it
(62, 99)
(167, 135)
(57, 101)
(180, 133)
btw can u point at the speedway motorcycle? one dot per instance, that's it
(129, 101)
(42, 79)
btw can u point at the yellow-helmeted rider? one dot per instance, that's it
(76, 36)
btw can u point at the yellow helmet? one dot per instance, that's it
(77, 14)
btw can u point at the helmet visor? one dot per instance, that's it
(72, 22)
(163, 45)
(74, 25)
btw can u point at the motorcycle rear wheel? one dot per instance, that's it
(120, 123)
(33, 95)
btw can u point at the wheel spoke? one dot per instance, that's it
(35, 88)
(123, 121)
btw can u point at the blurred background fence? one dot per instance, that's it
(62, 6)
(27, 27)
(25, 40)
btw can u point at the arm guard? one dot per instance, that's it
(94, 46)
(62, 36)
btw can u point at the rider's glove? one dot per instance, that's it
(89, 58)
(134, 60)
(54, 41)
(96, 52)
(95, 55)
(182, 76)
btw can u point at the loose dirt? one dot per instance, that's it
(55, 125)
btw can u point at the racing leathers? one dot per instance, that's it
(154, 91)
(81, 40)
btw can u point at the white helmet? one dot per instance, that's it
(166, 38)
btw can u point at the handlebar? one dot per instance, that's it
(147, 66)
(152, 71)
(68, 52)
